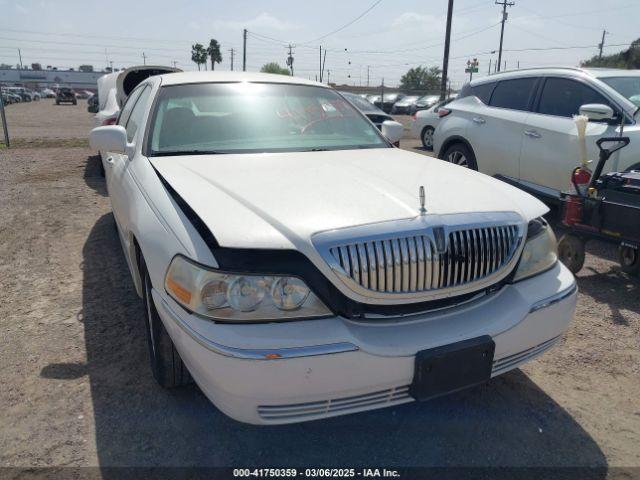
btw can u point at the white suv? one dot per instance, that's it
(518, 125)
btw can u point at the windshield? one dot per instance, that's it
(252, 117)
(359, 102)
(629, 87)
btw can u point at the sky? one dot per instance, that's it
(386, 39)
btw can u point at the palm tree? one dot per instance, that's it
(198, 54)
(214, 52)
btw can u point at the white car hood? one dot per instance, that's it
(278, 200)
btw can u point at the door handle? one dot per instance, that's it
(532, 134)
(479, 120)
(110, 160)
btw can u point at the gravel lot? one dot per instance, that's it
(77, 389)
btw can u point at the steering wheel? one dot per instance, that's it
(310, 125)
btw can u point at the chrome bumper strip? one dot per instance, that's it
(255, 354)
(558, 297)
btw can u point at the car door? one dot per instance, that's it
(550, 148)
(120, 181)
(109, 157)
(495, 130)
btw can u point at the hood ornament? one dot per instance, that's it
(423, 211)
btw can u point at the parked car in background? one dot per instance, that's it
(35, 96)
(423, 103)
(66, 95)
(48, 93)
(25, 94)
(385, 104)
(424, 122)
(403, 106)
(518, 125)
(83, 94)
(93, 103)
(373, 113)
(286, 263)
(114, 88)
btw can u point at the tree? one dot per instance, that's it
(214, 53)
(273, 67)
(421, 78)
(629, 59)
(5, 66)
(86, 68)
(36, 66)
(198, 54)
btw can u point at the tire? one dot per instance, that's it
(459, 154)
(166, 365)
(629, 259)
(427, 138)
(571, 252)
(57, 102)
(75, 103)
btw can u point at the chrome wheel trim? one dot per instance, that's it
(458, 158)
(427, 137)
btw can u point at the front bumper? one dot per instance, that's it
(296, 371)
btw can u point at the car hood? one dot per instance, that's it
(279, 200)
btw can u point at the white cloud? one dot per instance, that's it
(262, 22)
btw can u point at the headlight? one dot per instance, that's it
(240, 297)
(540, 250)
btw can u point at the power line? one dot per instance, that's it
(345, 25)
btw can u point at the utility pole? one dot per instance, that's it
(144, 59)
(489, 67)
(232, 51)
(174, 63)
(244, 50)
(504, 4)
(328, 77)
(323, 59)
(601, 44)
(20, 57)
(320, 65)
(445, 61)
(290, 59)
(368, 67)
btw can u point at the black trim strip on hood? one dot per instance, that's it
(295, 263)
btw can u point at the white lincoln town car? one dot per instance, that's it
(297, 266)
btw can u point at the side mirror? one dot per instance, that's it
(111, 138)
(597, 111)
(392, 130)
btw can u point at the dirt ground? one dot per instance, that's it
(76, 389)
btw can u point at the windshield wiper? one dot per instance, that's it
(174, 153)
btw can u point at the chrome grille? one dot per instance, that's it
(413, 263)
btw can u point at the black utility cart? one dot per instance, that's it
(607, 209)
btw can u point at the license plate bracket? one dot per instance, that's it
(449, 368)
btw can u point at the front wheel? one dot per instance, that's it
(571, 252)
(427, 138)
(166, 365)
(629, 259)
(461, 155)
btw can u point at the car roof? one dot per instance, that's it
(180, 78)
(527, 72)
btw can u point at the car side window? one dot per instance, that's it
(123, 118)
(483, 91)
(513, 94)
(564, 97)
(137, 114)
